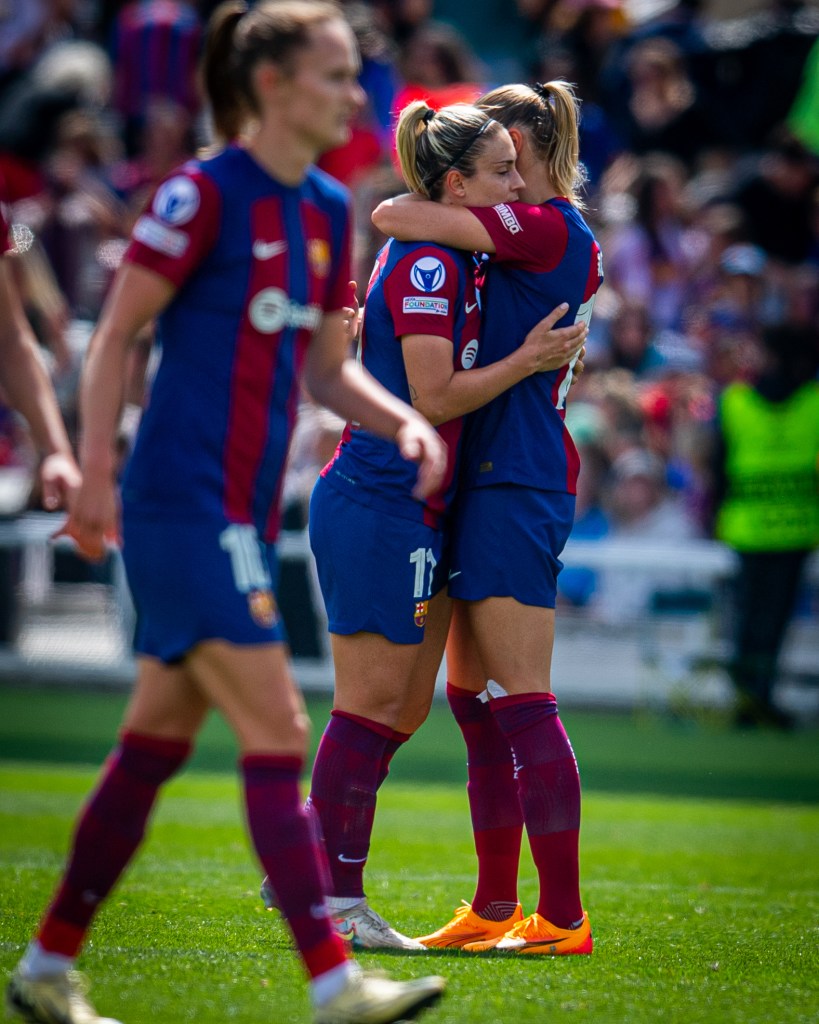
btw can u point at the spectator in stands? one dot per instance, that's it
(588, 29)
(371, 132)
(80, 210)
(27, 29)
(778, 198)
(664, 111)
(630, 338)
(646, 254)
(438, 65)
(714, 225)
(615, 395)
(741, 285)
(71, 76)
(401, 18)
(767, 497)
(155, 51)
(643, 510)
(755, 67)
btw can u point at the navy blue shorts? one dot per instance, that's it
(506, 542)
(377, 571)
(199, 580)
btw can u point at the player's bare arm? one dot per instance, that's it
(409, 217)
(137, 296)
(441, 393)
(335, 380)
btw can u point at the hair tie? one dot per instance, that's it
(428, 116)
(543, 92)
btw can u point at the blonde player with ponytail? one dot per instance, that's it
(381, 553)
(514, 514)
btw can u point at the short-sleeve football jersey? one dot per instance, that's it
(415, 288)
(256, 264)
(544, 255)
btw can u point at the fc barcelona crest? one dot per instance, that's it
(318, 253)
(262, 606)
(421, 612)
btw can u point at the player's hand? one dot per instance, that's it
(547, 347)
(60, 481)
(93, 518)
(419, 442)
(353, 315)
(579, 366)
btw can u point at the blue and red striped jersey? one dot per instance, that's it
(415, 288)
(155, 52)
(256, 264)
(544, 255)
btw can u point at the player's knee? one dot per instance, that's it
(300, 731)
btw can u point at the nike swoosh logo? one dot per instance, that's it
(542, 942)
(351, 860)
(470, 306)
(452, 575)
(267, 250)
(461, 939)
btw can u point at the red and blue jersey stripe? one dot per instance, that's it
(415, 288)
(544, 255)
(155, 50)
(256, 264)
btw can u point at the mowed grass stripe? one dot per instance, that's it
(703, 910)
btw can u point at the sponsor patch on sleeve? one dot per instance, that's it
(160, 237)
(508, 218)
(425, 304)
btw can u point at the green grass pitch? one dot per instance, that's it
(700, 850)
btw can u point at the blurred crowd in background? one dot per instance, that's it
(700, 139)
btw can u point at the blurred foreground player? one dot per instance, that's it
(245, 259)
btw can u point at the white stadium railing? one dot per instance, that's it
(78, 632)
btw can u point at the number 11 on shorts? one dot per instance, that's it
(421, 558)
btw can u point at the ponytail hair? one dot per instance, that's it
(228, 107)
(431, 142)
(549, 113)
(239, 37)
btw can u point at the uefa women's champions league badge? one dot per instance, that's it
(428, 274)
(176, 200)
(263, 608)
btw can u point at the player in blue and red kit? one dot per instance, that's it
(513, 516)
(244, 258)
(379, 551)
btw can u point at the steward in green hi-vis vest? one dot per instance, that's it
(772, 470)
